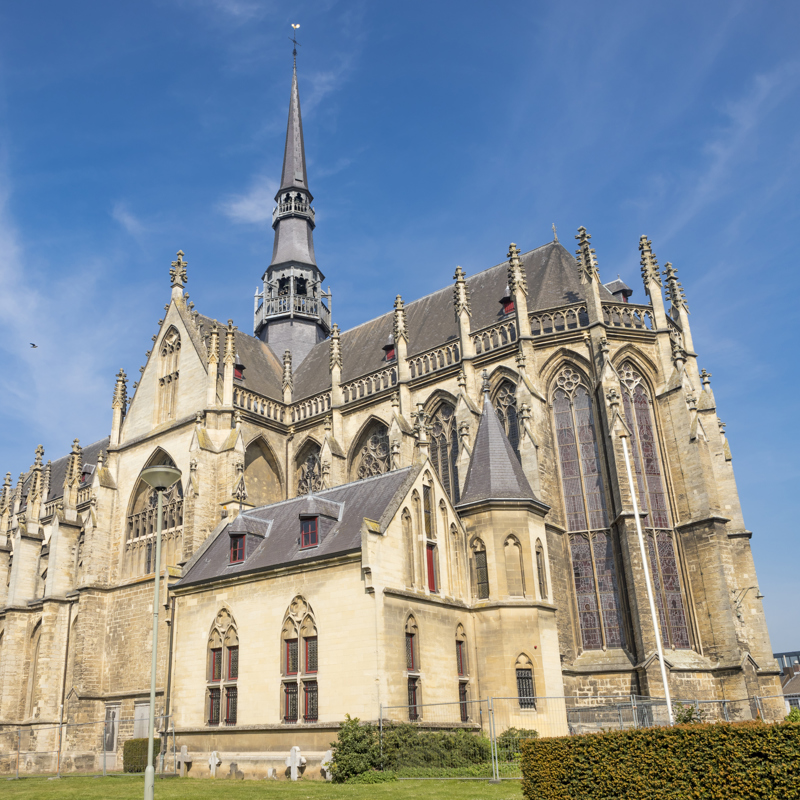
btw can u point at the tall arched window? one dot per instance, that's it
(593, 562)
(660, 539)
(541, 570)
(480, 570)
(299, 664)
(412, 667)
(515, 575)
(169, 354)
(458, 585)
(372, 452)
(431, 549)
(408, 546)
(505, 404)
(33, 676)
(444, 448)
(526, 687)
(309, 469)
(462, 669)
(222, 672)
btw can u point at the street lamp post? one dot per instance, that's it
(161, 478)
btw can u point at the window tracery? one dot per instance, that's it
(515, 575)
(661, 545)
(309, 469)
(591, 548)
(505, 404)
(444, 449)
(373, 454)
(168, 374)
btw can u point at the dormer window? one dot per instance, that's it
(389, 348)
(308, 536)
(507, 301)
(238, 371)
(237, 548)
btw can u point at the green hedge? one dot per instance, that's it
(715, 762)
(134, 754)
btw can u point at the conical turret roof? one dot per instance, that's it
(294, 155)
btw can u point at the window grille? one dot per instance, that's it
(460, 658)
(505, 404)
(213, 706)
(290, 702)
(309, 532)
(310, 701)
(411, 655)
(462, 699)
(482, 575)
(525, 693)
(427, 511)
(413, 699)
(231, 700)
(216, 664)
(430, 554)
(233, 663)
(291, 657)
(237, 548)
(311, 654)
(444, 449)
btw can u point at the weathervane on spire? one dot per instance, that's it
(555, 233)
(294, 41)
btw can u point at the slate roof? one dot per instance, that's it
(341, 512)
(494, 471)
(553, 281)
(58, 470)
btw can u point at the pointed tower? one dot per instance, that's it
(290, 311)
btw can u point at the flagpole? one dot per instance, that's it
(647, 580)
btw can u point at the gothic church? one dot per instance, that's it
(431, 507)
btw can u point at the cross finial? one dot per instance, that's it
(294, 41)
(555, 234)
(177, 272)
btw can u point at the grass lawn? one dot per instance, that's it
(131, 788)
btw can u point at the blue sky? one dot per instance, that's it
(436, 133)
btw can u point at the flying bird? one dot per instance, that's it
(34, 345)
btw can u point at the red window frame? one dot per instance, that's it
(310, 689)
(231, 701)
(237, 548)
(289, 693)
(289, 643)
(213, 706)
(460, 660)
(411, 651)
(309, 536)
(230, 671)
(430, 555)
(508, 307)
(307, 640)
(390, 355)
(216, 664)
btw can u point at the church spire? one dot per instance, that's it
(290, 311)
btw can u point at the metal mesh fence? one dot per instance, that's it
(83, 748)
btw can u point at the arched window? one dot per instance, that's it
(505, 404)
(480, 570)
(309, 469)
(515, 574)
(462, 670)
(661, 544)
(526, 687)
(372, 452)
(457, 587)
(541, 570)
(140, 544)
(261, 474)
(593, 563)
(299, 664)
(33, 676)
(444, 449)
(412, 668)
(169, 354)
(222, 671)
(431, 550)
(408, 546)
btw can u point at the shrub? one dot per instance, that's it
(687, 713)
(355, 751)
(721, 761)
(134, 754)
(508, 741)
(794, 715)
(373, 776)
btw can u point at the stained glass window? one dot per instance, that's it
(373, 458)
(607, 588)
(505, 404)
(444, 449)
(588, 614)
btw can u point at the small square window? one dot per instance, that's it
(308, 528)
(237, 548)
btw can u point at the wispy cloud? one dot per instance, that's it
(766, 92)
(129, 222)
(255, 205)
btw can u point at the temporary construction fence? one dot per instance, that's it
(81, 748)
(481, 739)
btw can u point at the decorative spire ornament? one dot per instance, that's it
(336, 348)
(461, 301)
(399, 329)
(516, 274)
(650, 271)
(675, 293)
(177, 272)
(587, 259)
